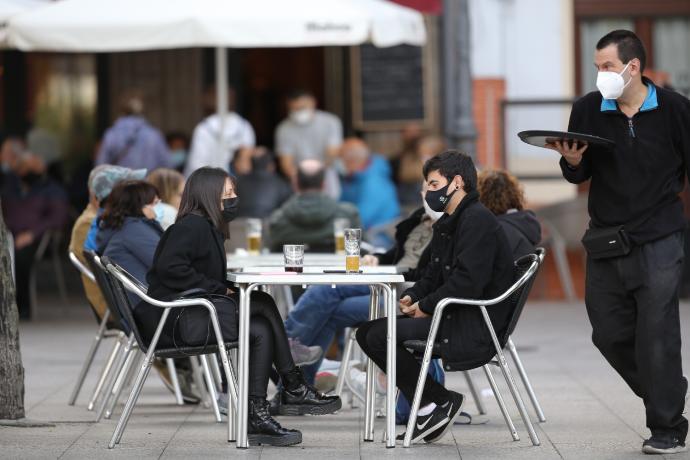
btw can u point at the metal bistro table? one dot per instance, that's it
(384, 283)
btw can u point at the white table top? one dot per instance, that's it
(236, 261)
(281, 277)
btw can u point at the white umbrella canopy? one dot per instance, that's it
(130, 25)
(9, 8)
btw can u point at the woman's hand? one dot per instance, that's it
(370, 260)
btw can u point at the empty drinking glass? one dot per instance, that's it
(294, 257)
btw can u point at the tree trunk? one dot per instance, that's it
(11, 369)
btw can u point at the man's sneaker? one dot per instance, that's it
(434, 426)
(454, 408)
(427, 424)
(660, 444)
(304, 355)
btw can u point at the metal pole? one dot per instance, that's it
(459, 122)
(221, 97)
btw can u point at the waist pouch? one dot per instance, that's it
(193, 327)
(607, 242)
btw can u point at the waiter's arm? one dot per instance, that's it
(574, 162)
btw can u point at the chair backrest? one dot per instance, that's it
(519, 297)
(111, 272)
(98, 271)
(83, 269)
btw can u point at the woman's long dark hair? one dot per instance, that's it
(126, 200)
(202, 194)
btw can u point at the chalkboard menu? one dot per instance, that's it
(388, 86)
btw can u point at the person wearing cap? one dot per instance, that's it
(32, 204)
(103, 181)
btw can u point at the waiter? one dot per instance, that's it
(636, 215)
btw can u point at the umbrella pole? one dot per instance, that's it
(222, 98)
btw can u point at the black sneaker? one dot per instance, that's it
(430, 423)
(663, 444)
(454, 409)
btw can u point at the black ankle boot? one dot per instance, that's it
(264, 429)
(300, 398)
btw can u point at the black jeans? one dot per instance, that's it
(268, 342)
(632, 303)
(371, 337)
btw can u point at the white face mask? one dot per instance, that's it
(431, 213)
(611, 84)
(302, 116)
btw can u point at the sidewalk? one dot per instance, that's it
(590, 412)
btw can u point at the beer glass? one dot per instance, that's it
(353, 237)
(254, 236)
(339, 226)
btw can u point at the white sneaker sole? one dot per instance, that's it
(654, 451)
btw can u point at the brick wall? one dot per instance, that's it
(487, 96)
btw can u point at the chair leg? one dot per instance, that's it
(116, 375)
(211, 386)
(89, 359)
(421, 380)
(144, 369)
(345, 362)
(122, 382)
(518, 399)
(501, 403)
(525, 380)
(475, 395)
(199, 381)
(104, 374)
(215, 370)
(172, 370)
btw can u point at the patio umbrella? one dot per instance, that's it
(132, 25)
(9, 8)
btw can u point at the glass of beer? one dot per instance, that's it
(339, 226)
(353, 236)
(294, 257)
(254, 236)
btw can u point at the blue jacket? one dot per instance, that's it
(373, 192)
(131, 246)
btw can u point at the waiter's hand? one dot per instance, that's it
(571, 151)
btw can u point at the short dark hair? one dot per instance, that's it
(298, 93)
(453, 163)
(312, 180)
(629, 46)
(126, 200)
(202, 194)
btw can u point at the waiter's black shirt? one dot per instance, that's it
(636, 184)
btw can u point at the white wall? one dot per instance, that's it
(529, 44)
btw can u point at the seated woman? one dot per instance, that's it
(169, 184)
(128, 233)
(191, 255)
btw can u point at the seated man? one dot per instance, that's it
(470, 258)
(502, 194)
(307, 218)
(32, 204)
(323, 310)
(368, 184)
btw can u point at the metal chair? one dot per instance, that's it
(107, 328)
(517, 294)
(122, 281)
(50, 240)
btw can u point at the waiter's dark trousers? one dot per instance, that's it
(632, 303)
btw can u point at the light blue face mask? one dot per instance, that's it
(159, 211)
(178, 157)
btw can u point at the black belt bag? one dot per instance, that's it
(605, 243)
